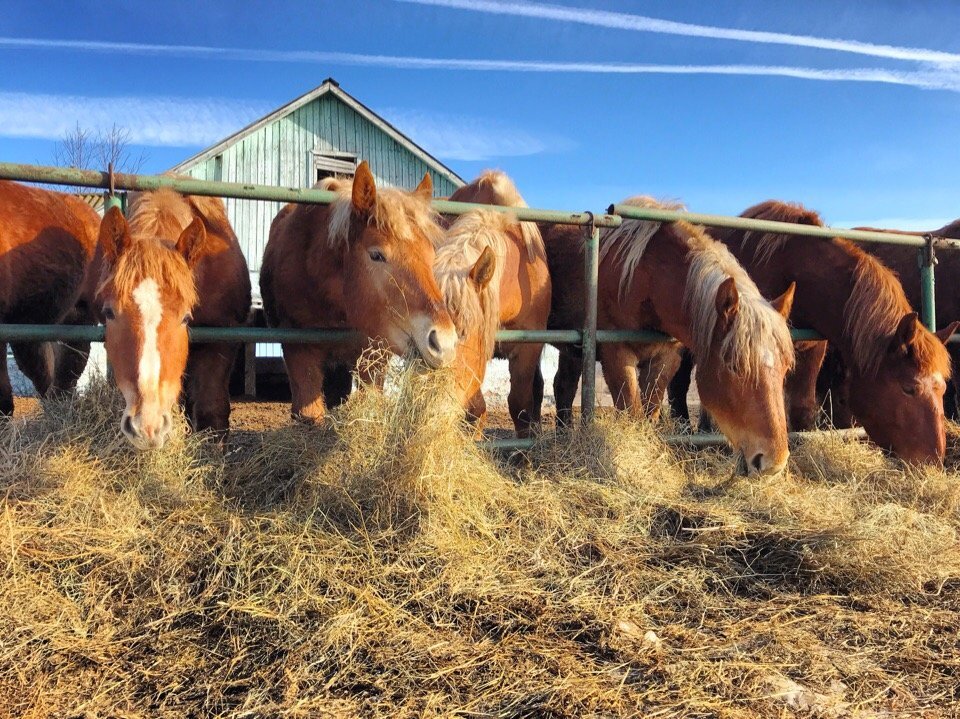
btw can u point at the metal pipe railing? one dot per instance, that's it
(589, 335)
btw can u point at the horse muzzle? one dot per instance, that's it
(146, 434)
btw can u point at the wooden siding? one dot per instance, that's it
(281, 153)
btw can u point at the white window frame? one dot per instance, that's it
(343, 164)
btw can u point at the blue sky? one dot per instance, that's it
(584, 103)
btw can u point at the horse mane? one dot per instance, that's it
(877, 302)
(766, 244)
(400, 214)
(156, 220)
(629, 241)
(758, 331)
(504, 192)
(462, 245)
(873, 312)
(951, 231)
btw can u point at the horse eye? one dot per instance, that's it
(187, 318)
(108, 313)
(910, 389)
(377, 256)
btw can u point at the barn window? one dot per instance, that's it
(333, 164)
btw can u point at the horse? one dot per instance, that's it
(896, 367)
(176, 263)
(364, 262)
(831, 387)
(493, 273)
(47, 241)
(672, 277)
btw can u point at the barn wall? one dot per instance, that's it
(281, 153)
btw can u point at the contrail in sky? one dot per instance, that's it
(643, 23)
(939, 78)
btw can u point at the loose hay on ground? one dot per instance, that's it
(384, 566)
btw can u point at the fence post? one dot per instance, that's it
(928, 303)
(110, 197)
(591, 261)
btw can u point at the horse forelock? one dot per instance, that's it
(758, 333)
(398, 214)
(463, 243)
(627, 243)
(156, 220)
(766, 244)
(149, 259)
(873, 313)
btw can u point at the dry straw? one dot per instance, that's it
(384, 566)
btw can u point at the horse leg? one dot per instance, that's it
(679, 387)
(477, 412)
(801, 385)
(6, 389)
(305, 370)
(337, 384)
(208, 369)
(35, 360)
(569, 368)
(655, 371)
(951, 400)
(619, 364)
(524, 363)
(537, 409)
(71, 357)
(833, 390)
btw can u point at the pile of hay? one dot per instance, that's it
(384, 566)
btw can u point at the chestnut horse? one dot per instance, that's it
(47, 241)
(674, 278)
(176, 263)
(896, 368)
(831, 388)
(363, 262)
(493, 273)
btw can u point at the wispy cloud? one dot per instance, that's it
(943, 77)
(156, 121)
(643, 23)
(453, 137)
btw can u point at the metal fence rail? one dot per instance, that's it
(591, 223)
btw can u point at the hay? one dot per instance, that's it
(384, 566)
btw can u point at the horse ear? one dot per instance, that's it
(784, 303)
(114, 234)
(192, 243)
(945, 334)
(728, 302)
(364, 190)
(482, 271)
(425, 189)
(907, 331)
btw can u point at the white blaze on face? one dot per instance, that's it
(147, 298)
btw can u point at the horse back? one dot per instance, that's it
(47, 239)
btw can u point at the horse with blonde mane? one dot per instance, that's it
(830, 387)
(364, 262)
(896, 368)
(493, 272)
(672, 277)
(177, 262)
(47, 241)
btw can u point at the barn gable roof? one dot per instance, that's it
(331, 87)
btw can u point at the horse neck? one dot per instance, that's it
(664, 286)
(825, 273)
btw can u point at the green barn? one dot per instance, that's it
(322, 133)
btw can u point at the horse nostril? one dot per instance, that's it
(757, 461)
(433, 339)
(128, 426)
